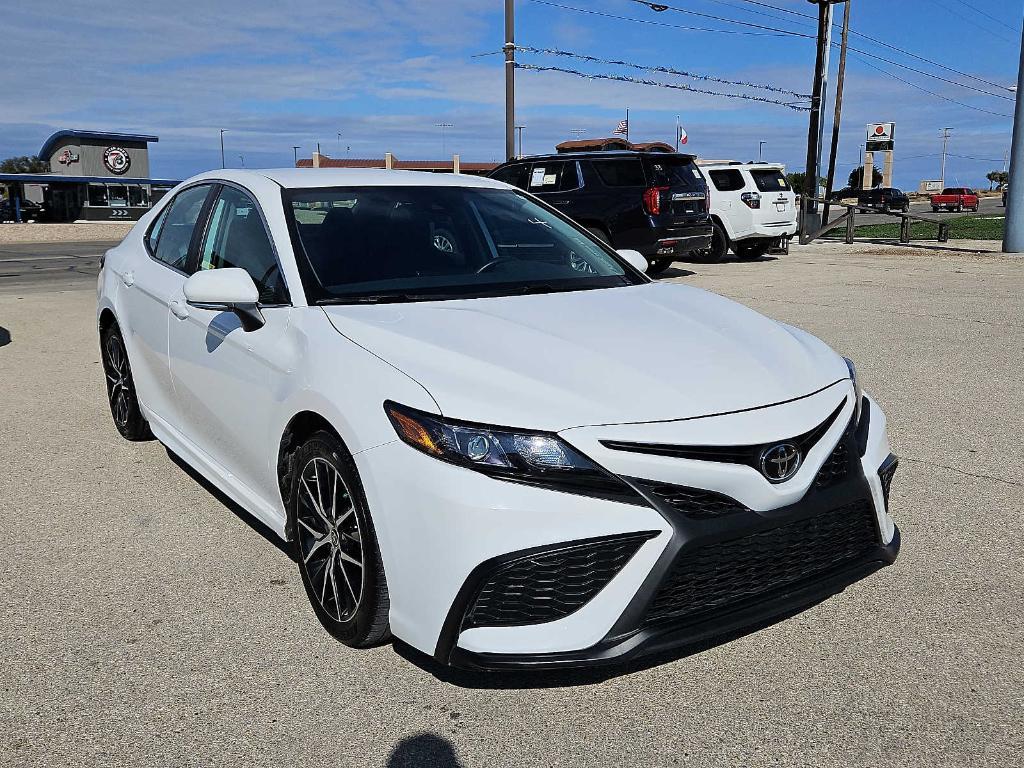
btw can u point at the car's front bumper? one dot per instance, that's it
(445, 531)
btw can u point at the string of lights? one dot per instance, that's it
(661, 70)
(659, 84)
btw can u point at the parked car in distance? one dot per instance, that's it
(1006, 190)
(481, 430)
(753, 208)
(955, 199)
(652, 202)
(30, 210)
(885, 199)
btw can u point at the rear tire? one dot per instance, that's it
(657, 266)
(751, 251)
(719, 246)
(935, 209)
(600, 234)
(335, 544)
(121, 395)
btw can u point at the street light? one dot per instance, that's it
(443, 126)
(339, 143)
(295, 154)
(760, 150)
(520, 128)
(222, 163)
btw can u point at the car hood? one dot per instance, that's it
(653, 352)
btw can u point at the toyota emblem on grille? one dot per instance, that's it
(780, 462)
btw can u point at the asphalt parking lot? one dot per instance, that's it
(148, 623)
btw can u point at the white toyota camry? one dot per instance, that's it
(480, 429)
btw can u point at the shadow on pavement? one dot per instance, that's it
(425, 750)
(5, 336)
(242, 515)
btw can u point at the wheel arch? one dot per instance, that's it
(720, 223)
(106, 319)
(299, 428)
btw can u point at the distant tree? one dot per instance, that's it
(997, 178)
(797, 179)
(24, 164)
(858, 173)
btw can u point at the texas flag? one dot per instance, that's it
(683, 138)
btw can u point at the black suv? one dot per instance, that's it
(885, 199)
(652, 202)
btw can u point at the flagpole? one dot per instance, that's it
(627, 123)
(677, 133)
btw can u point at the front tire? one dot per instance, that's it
(121, 395)
(335, 544)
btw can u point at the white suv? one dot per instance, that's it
(753, 208)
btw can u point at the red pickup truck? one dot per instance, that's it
(955, 199)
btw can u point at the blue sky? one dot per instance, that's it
(384, 73)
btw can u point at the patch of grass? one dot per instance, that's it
(964, 228)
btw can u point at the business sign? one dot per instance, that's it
(67, 157)
(116, 159)
(880, 136)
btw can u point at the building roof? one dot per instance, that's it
(51, 143)
(402, 165)
(57, 178)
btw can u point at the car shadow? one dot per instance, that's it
(239, 512)
(5, 336)
(574, 678)
(674, 272)
(424, 750)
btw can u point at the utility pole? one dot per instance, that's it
(825, 70)
(838, 112)
(811, 219)
(520, 128)
(945, 143)
(222, 164)
(510, 79)
(1014, 242)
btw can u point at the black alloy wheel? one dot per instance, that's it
(335, 544)
(121, 396)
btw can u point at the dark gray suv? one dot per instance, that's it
(652, 202)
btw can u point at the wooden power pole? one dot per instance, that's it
(840, 82)
(510, 79)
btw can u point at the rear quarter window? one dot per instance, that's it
(727, 181)
(517, 175)
(620, 173)
(679, 172)
(770, 181)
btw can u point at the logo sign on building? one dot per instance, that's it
(116, 159)
(67, 157)
(880, 136)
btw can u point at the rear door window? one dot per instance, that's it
(727, 181)
(557, 176)
(770, 180)
(675, 171)
(628, 172)
(174, 234)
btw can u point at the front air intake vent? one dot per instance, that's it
(694, 503)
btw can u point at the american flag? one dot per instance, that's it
(623, 128)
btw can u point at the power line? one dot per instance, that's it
(976, 9)
(662, 70)
(930, 93)
(664, 6)
(654, 23)
(971, 20)
(659, 84)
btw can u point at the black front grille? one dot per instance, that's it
(723, 575)
(695, 503)
(550, 584)
(835, 466)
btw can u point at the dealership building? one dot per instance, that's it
(93, 176)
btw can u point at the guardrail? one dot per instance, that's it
(848, 220)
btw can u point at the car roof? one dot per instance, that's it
(303, 178)
(599, 154)
(717, 166)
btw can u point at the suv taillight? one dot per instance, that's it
(751, 199)
(652, 199)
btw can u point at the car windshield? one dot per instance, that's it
(375, 244)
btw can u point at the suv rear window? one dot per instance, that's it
(727, 181)
(770, 181)
(620, 173)
(675, 171)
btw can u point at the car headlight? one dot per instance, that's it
(519, 456)
(857, 391)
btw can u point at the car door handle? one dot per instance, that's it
(128, 278)
(179, 310)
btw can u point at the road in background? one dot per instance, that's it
(48, 266)
(987, 206)
(146, 622)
